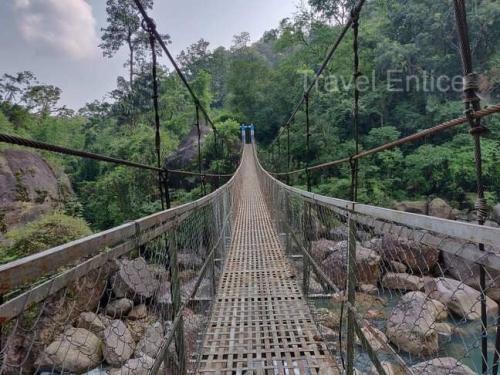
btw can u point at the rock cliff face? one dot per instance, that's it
(29, 187)
(186, 155)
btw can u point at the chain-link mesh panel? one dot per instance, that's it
(138, 306)
(417, 306)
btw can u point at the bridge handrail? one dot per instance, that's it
(121, 239)
(368, 215)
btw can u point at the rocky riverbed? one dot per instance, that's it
(116, 326)
(410, 302)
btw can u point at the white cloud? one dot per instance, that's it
(59, 26)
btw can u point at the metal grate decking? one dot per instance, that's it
(260, 323)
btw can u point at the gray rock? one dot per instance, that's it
(321, 249)
(459, 298)
(442, 366)
(338, 234)
(444, 329)
(119, 344)
(76, 350)
(138, 312)
(468, 272)
(135, 366)
(439, 208)
(495, 213)
(420, 258)
(367, 262)
(411, 325)
(204, 290)
(30, 187)
(150, 342)
(390, 369)
(189, 260)
(376, 338)
(402, 281)
(368, 289)
(396, 266)
(134, 280)
(119, 308)
(91, 322)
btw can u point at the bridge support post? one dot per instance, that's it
(287, 226)
(306, 274)
(175, 290)
(351, 294)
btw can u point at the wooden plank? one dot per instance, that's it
(260, 322)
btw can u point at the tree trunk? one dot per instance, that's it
(131, 58)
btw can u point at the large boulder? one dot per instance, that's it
(420, 258)
(328, 318)
(134, 280)
(402, 281)
(150, 343)
(119, 307)
(377, 339)
(390, 369)
(458, 297)
(320, 249)
(339, 233)
(442, 366)
(189, 260)
(25, 344)
(367, 262)
(119, 344)
(495, 213)
(411, 325)
(466, 271)
(138, 312)
(91, 322)
(29, 188)
(76, 350)
(135, 366)
(439, 208)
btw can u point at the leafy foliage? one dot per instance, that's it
(260, 83)
(48, 231)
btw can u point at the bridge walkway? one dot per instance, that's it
(260, 322)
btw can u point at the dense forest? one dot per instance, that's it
(260, 83)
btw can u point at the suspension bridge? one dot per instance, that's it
(260, 277)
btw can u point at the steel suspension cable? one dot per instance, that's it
(308, 147)
(355, 12)
(15, 140)
(162, 179)
(181, 75)
(411, 138)
(202, 180)
(472, 104)
(288, 158)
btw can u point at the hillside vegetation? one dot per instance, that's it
(260, 83)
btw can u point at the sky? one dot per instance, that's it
(58, 39)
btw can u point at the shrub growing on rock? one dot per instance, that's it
(48, 231)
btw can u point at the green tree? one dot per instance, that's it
(124, 28)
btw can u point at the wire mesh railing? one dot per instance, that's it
(133, 299)
(417, 281)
